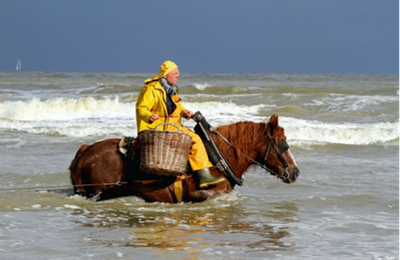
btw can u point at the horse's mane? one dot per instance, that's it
(246, 135)
(246, 132)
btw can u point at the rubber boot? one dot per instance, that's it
(205, 179)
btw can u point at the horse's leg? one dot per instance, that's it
(193, 194)
(156, 193)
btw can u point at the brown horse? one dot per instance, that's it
(249, 143)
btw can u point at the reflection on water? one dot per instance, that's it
(216, 226)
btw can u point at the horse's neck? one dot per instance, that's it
(240, 162)
(236, 156)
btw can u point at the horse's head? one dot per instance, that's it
(275, 155)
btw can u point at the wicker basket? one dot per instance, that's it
(164, 152)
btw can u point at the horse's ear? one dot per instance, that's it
(273, 123)
(274, 120)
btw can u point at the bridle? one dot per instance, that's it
(285, 175)
(279, 151)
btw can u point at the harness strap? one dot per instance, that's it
(283, 161)
(245, 155)
(178, 191)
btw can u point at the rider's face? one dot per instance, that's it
(173, 76)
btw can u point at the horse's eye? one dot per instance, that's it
(283, 146)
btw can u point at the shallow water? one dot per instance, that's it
(342, 130)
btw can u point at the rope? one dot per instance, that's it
(119, 183)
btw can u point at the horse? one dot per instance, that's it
(99, 171)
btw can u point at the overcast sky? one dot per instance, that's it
(207, 36)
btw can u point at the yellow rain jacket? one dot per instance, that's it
(152, 100)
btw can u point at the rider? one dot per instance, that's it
(158, 102)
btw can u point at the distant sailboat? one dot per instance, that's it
(19, 65)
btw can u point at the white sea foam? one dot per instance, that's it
(201, 86)
(70, 117)
(109, 117)
(64, 109)
(307, 131)
(341, 102)
(225, 108)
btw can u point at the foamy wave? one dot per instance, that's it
(65, 109)
(79, 128)
(201, 86)
(305, 131)
(109, 117)
(340, 102)
(227, 109)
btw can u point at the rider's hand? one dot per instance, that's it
(153, 118)
(189, 114)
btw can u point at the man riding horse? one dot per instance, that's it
(158, 102)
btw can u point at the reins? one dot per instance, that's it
(119, 183)
(245, 155)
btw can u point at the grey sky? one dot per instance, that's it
(208, 36)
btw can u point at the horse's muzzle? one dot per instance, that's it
(290, 175)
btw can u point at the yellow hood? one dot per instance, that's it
(166, 68)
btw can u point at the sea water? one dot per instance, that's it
(343, 131)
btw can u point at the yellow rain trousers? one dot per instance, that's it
(152, 100)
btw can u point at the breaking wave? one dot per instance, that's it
(110, 117)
